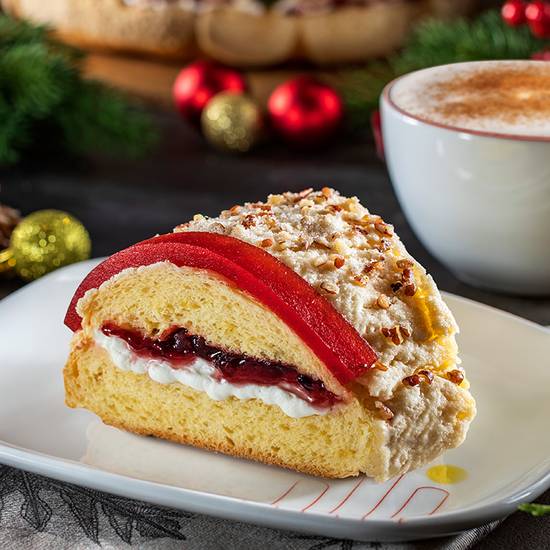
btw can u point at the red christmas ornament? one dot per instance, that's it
(538, 18)
(305, 111)
(513, 12)
(197, 83)
(541, 56)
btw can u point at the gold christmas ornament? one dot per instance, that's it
(44, 241)
(9, 218)
(232, 122)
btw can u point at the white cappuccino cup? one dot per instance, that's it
(468, 151)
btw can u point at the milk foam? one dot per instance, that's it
(467, 96)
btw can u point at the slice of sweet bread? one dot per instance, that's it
(298, 332)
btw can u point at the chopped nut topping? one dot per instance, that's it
(271, 223)
(359, 280)
(321, 244)
(217, 227)
(306, 203)
(339, 246)
(402, 264)
(249, 220)
(305, 193)
(235, 209)
(276, 200)
(410, 289)
(407, 274)
(198, 218)
(397, 334)
(350, 205)
(407, 278)
(428, 375)
(329, 288)
(384, 228)
(267, 243)
(373, 264)
(318, 262)
(396, 286)
(335, 207)
(412, 380)
(420, 376)
(284, 235)
(383, 410)
(380, 366)
(384, 245)
(339, 262)
(456, 376)
(383, 302)
(265, 207)
(327, 192)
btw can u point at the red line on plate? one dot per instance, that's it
(441, 503)
(316, 500)
(384, 496)
(278, 499)
(342, 502)
(418, 489)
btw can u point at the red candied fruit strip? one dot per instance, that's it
(337, 344)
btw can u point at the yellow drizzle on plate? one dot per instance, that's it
(446, 473)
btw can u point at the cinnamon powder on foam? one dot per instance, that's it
(506, 95)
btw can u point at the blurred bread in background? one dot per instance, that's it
(243, 33)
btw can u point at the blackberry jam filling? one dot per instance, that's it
(181, 348)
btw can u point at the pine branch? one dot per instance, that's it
(44, 99)
(485, 38)
(361, 92)
(33, 79)
(438, 43)
(99, 118)
(13, 32)
(535, 509)
(14, 134)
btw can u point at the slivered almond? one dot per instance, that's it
(383, 410)
(329, 288)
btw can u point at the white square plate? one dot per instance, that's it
(506, 454)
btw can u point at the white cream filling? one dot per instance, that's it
(200, 375)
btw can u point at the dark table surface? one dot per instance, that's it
(122, 201)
